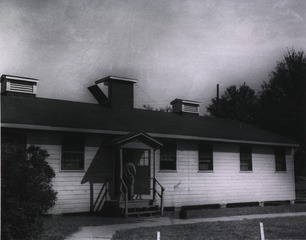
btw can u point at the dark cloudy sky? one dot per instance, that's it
(175, 48)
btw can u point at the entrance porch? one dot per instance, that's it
(135, 189)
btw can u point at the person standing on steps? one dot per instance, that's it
(130, 173)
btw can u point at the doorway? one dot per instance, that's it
(141, 159)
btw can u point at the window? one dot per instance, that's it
(144, 158)
(280, 159)
(168, 156)
(72, 153)
(206, 157)
(246, 158)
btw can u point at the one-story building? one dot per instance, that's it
(181, 158)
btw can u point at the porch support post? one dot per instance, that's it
(121, 163)
(91, 197)
(154, 183)
(162, 202)
(120, 173)
(107, 198)
(154, 163)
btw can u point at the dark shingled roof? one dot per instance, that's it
(59, 113)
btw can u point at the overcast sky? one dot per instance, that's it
(176, 49)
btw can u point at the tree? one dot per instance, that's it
(161, 109)
(282, 98)
(279, 107)
(26, 191)
(236, 103)
(282, 101)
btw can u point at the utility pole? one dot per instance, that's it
(218, 100)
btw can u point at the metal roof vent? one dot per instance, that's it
(182, 106)
(18, 85)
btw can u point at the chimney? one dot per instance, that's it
(185, 107)
(14, 85)
(120, 92)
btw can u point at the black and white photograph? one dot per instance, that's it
(153, 119)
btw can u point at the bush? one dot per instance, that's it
(26, 190)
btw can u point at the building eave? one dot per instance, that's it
(11, 77)
(158, 135)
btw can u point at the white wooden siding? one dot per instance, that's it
(226, 184)
(73, 187)
(186, 186)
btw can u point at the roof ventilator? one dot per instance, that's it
(18, 85)
(184, 107)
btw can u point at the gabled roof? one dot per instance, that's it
(132, 136)
(51, 114)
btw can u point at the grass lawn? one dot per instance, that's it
(276, 228)
(207, 213)
(60, 227)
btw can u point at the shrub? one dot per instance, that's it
(26, 190)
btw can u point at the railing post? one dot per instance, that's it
(92, 205)
(162, 202)
(154, 189)
(125, 195)
(107, 191)
(126, 202)
(120, 191)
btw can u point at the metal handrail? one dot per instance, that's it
(159, 184)
(122, 183)
(97, 204)
(161, 194)
(125, 195)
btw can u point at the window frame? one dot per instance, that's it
(81, 139)
(280, 162)
(206, 146)
(245, 153)
(174, 153)
(144, 161)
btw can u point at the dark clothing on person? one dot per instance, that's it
(130, 172)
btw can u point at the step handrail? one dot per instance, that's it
(125, 194)
(161, 194)
(104, 189)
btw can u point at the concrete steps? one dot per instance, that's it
(135, 207)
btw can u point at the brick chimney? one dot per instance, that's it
(185, 107)
(120, 92)
(15, 85)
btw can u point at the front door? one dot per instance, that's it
(141, 159)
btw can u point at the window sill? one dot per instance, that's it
(285, 171)
(205, 171)
(246, 171)
(72, 170)
(167, 171)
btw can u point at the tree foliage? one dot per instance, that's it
(236, 103)
(282, 101)
(161, 109)
(26, 191)
(280, 106)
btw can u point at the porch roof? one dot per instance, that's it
(60, 115)
(132, 136)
